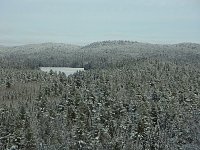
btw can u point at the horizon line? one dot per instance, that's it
(88, 43)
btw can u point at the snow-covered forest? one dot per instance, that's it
(131, 96)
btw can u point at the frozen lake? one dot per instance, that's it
(66, 70)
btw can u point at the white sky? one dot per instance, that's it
(85, 21)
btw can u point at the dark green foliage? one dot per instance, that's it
(8, 84)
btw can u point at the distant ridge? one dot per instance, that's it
(106, 43)
(101, 43)
(42, 44)
(96, 54)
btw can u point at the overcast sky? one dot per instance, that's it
(84, 21)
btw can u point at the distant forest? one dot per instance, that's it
(96, 55)
(131, 96)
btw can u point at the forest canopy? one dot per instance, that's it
(131, 95)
